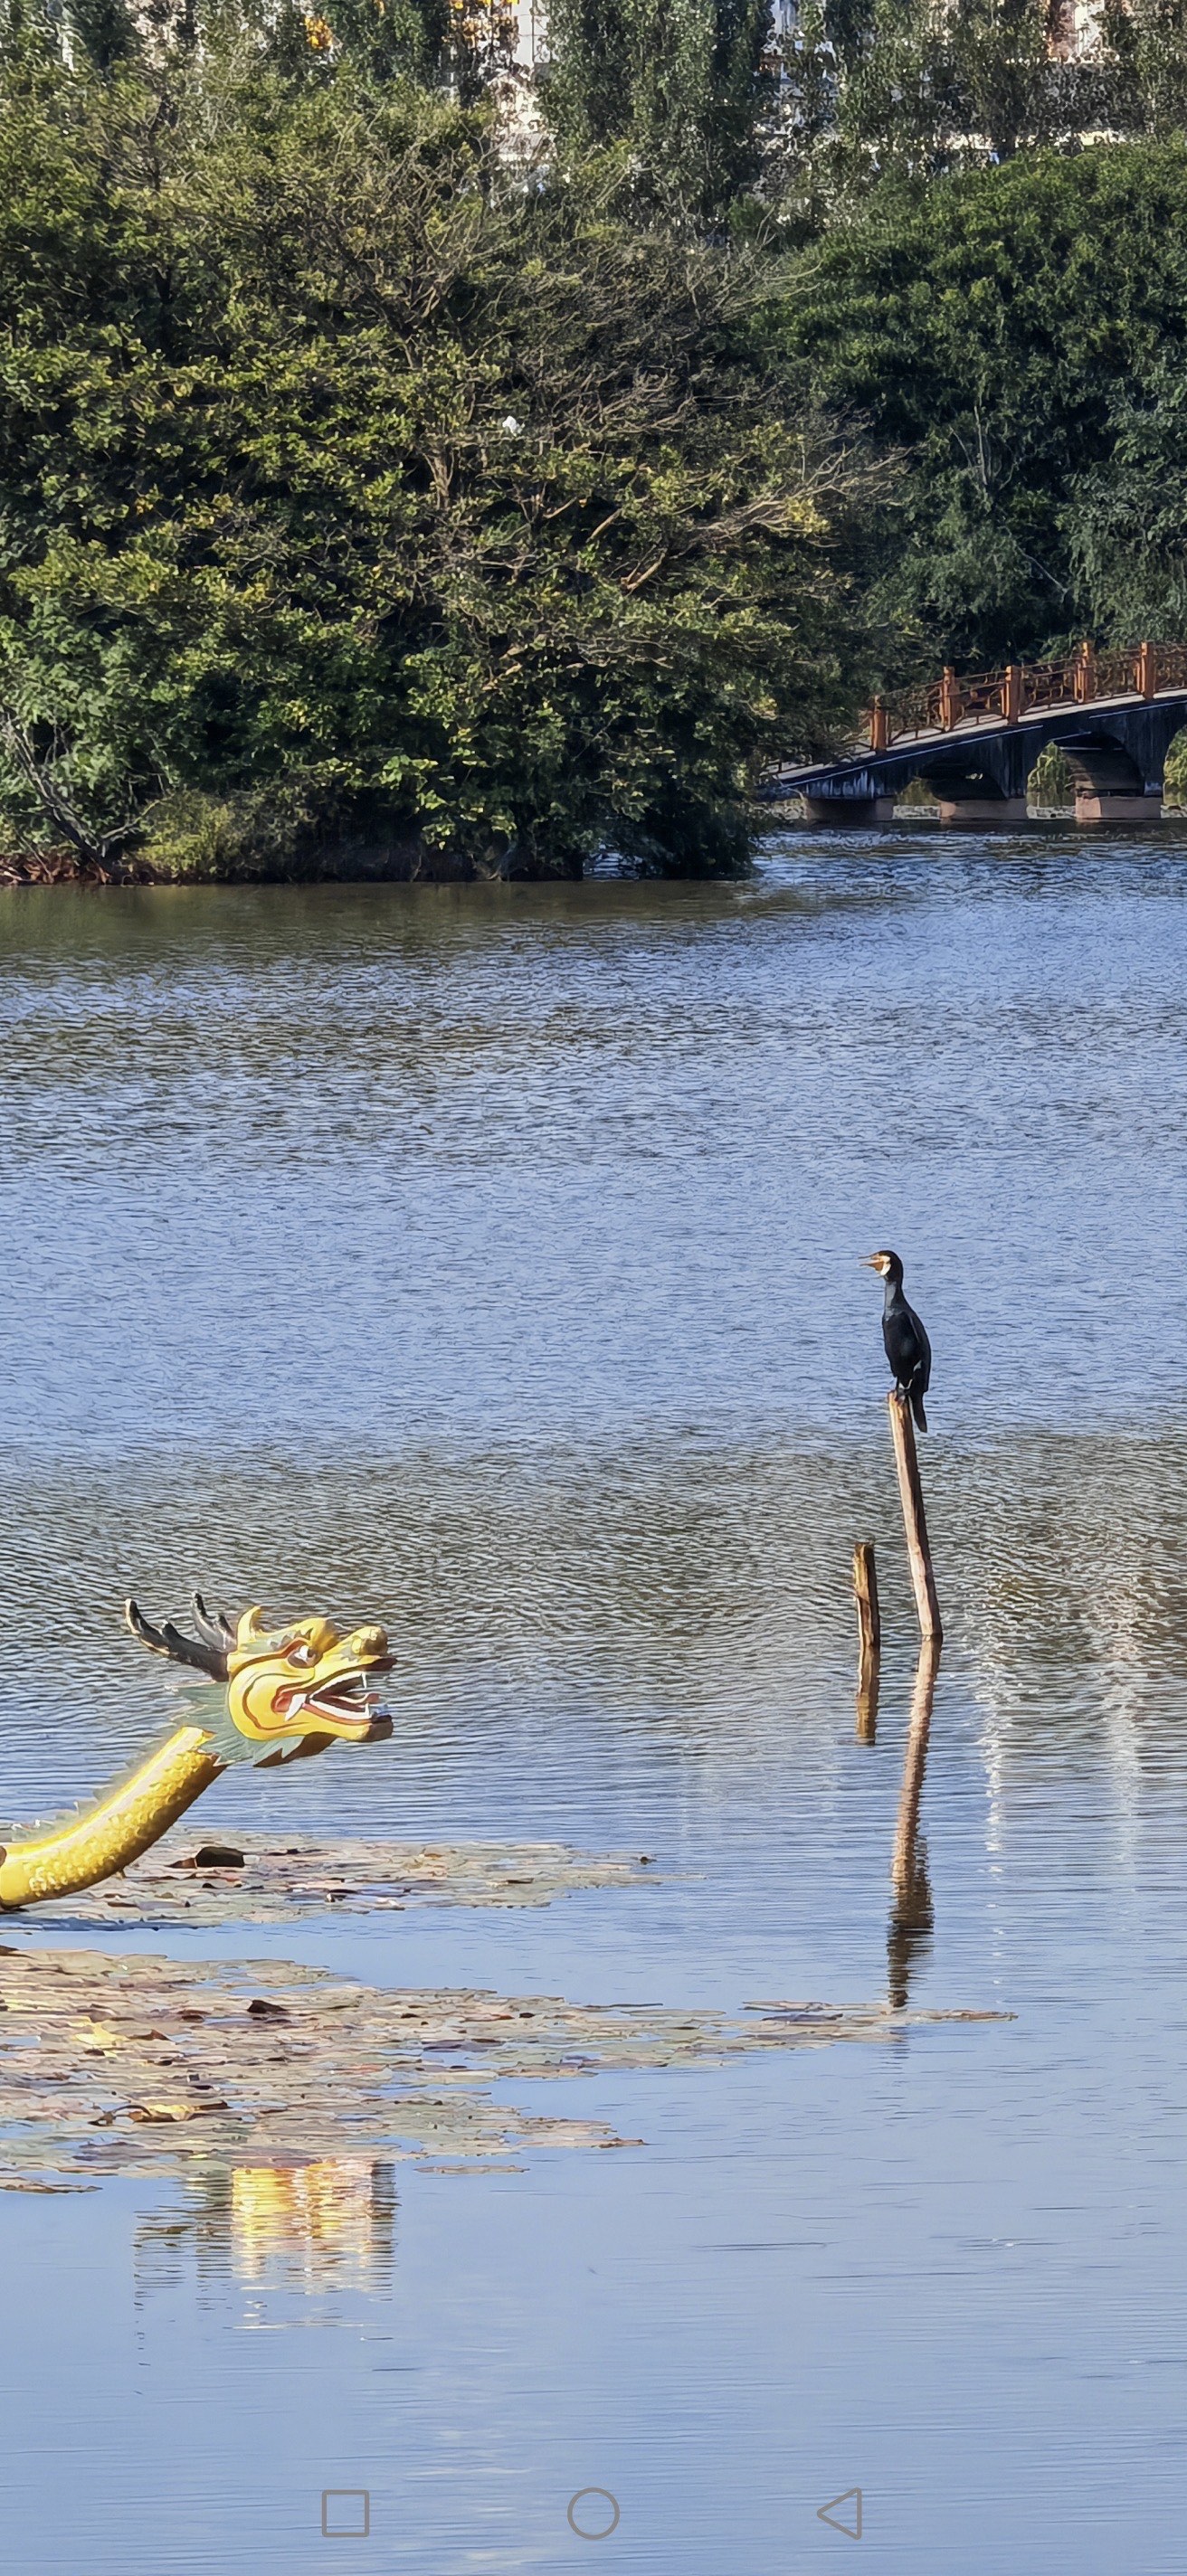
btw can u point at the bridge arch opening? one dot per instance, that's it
(1110, 786)
(968, 794)
(1051, 789)
(1174, 776)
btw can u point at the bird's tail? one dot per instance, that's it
(917, 1409)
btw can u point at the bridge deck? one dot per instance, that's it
(980, 728)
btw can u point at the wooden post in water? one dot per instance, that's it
(869, 1625)
(902, 1432)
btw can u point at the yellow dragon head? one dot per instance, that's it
(294, 1687)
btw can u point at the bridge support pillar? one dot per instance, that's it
(1093, 806)
(849, 809)
(974, 812)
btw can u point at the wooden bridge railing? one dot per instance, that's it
(1002, 697)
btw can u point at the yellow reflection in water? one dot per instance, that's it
(326, 2225)
(330, 2221)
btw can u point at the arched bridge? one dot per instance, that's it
(975, 741)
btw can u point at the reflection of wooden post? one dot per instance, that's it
(906, 1837)
(902, 1432)
(912, 1893)
(869, 1624)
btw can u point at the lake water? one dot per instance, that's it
(489, 1263)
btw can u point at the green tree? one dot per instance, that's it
(1126, 523)
(1144, 66)
(344, 472)
(908, 90)
(933, 88)
(680, 83)
(1018, 335)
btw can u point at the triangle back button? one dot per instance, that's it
(850, 2524)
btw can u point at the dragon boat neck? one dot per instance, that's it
(286, 1692)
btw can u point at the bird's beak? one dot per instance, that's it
(869, 1261)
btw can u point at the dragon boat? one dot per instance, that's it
(285, 1692)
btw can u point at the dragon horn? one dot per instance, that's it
(180, 1650)
(214, 1626)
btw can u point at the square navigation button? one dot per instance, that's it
(346, 2513)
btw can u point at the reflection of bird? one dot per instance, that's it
(907, 1346)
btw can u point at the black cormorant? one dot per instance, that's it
(907, 1346)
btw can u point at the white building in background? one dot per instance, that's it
(531, 50)
(1076, 28)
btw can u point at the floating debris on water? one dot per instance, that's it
(127, 2063)
(262, 1878)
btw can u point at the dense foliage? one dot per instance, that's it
(398, 473)
(347, 474)
(680, 83)
(885, 90)
(1020, 334)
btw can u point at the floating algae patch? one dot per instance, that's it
(133, 2064)
(262, 1879)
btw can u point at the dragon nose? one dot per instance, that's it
(367, 1642)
